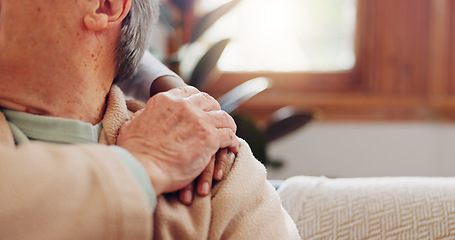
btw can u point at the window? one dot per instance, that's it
(286, 35)
(402, 70)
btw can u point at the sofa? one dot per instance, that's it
(371, 208)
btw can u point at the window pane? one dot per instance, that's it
(286, 35)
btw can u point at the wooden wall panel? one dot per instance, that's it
(393, 44)
(451, 49)
(439, 60)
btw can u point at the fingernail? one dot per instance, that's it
(219, 175)
(187, 196)
(205, 188)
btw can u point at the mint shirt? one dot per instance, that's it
(26, 127)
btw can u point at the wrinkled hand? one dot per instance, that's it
(176, 135)
(215, 170)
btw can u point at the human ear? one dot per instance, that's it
(104, 14)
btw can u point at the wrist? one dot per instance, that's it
(166, 83)
(138, 171)
(156, 176)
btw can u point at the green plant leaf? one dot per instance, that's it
(248, 131)
(286, 120)
(206, 66)
(240, 94)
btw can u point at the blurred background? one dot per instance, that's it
(340, 88)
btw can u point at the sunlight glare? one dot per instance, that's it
(287, 35)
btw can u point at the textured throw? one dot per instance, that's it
(371, 208)
(244, 205)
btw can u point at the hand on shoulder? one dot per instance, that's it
(176, 135)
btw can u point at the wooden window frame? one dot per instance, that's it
(404, 54)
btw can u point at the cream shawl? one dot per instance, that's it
(242, 206)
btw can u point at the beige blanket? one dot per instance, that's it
(371, 208)
(51, 191)
(242, 206)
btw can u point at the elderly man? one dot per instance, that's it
(58, 62)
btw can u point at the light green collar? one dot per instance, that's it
(26, 126)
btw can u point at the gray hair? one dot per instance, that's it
(135, 36)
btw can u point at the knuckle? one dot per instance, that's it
(208, 97)
(162, 96)
(211, 100)
(232, 136)
(210, 134)
(225, 114)
(187, 90)
(229, 120)
(183, 105)
(190, 89)
(159, 98)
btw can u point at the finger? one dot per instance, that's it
(227, 139)
(175, 94)
(221, 119)
(222, 159)
(135, 115)
(183, 92)
(186, 194)
(205, 179)
(204, 101)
